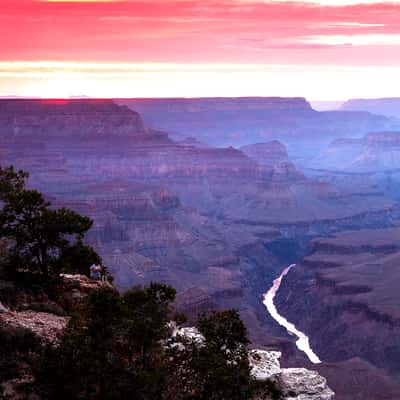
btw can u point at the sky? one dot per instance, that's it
(322, 50)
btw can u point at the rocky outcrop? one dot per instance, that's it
(303, 384)
(264, 364)
(294, 383)
(48, 327)
(74, 288)
(46, 319)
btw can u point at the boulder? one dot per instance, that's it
(294, 383)
(264, 364)
(303, 384)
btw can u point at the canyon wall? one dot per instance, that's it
(219, 224)
(344, 294)
(389, 107)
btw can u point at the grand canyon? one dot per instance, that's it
(217, 196)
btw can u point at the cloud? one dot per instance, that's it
(80, 1)
(58, 79)
(210, 31)
(354, 40)
(333, 3)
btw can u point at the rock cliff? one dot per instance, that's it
(374, 153)
(344, 295)
(73, 118)
(267, 154)
(242, 121)
(212, 222)
(389, 107)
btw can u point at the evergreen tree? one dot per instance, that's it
(40, 238)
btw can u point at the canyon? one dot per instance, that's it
(350, 302)
(216, 197)
(303, 342)
(389, 107)
(243, 121)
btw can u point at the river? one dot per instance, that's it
(302, 342)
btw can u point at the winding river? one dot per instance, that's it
(302, 342)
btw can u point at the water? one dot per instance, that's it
(303, 342)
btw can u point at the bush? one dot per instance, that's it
(116, 347)
(18, 345)
(111, 348)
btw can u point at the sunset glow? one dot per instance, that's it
(325, 49)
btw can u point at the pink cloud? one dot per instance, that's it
(201, 32)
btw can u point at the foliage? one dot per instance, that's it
(18, 345)
(119, 347)
(223, 361)
(111, 348)
(40, 238)
(223, 330)
(77, 259)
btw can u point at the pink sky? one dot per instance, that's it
(326, 50)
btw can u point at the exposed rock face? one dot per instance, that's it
(303, 384)
(345, 296)
(242, 121)
(266, 154)
(74, 288)
(389, 107)
(221, 104)
(366, 166)
(48, 327)
(375, 152)
(209, 221)
(264, 364)
(295, 383)
(67, 117)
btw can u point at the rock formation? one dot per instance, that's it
(344, 295)
(375, 152)
(216, 223)
(48, 327)
(72, 118)
(266, 154)
(242, 121)
(389, 107)
(293, 383)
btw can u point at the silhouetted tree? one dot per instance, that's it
(111, 349)
(39, 238)
(218, 368)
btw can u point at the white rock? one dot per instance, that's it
(189, 333)
(304, 384)
(295, 383)
(264, 364)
